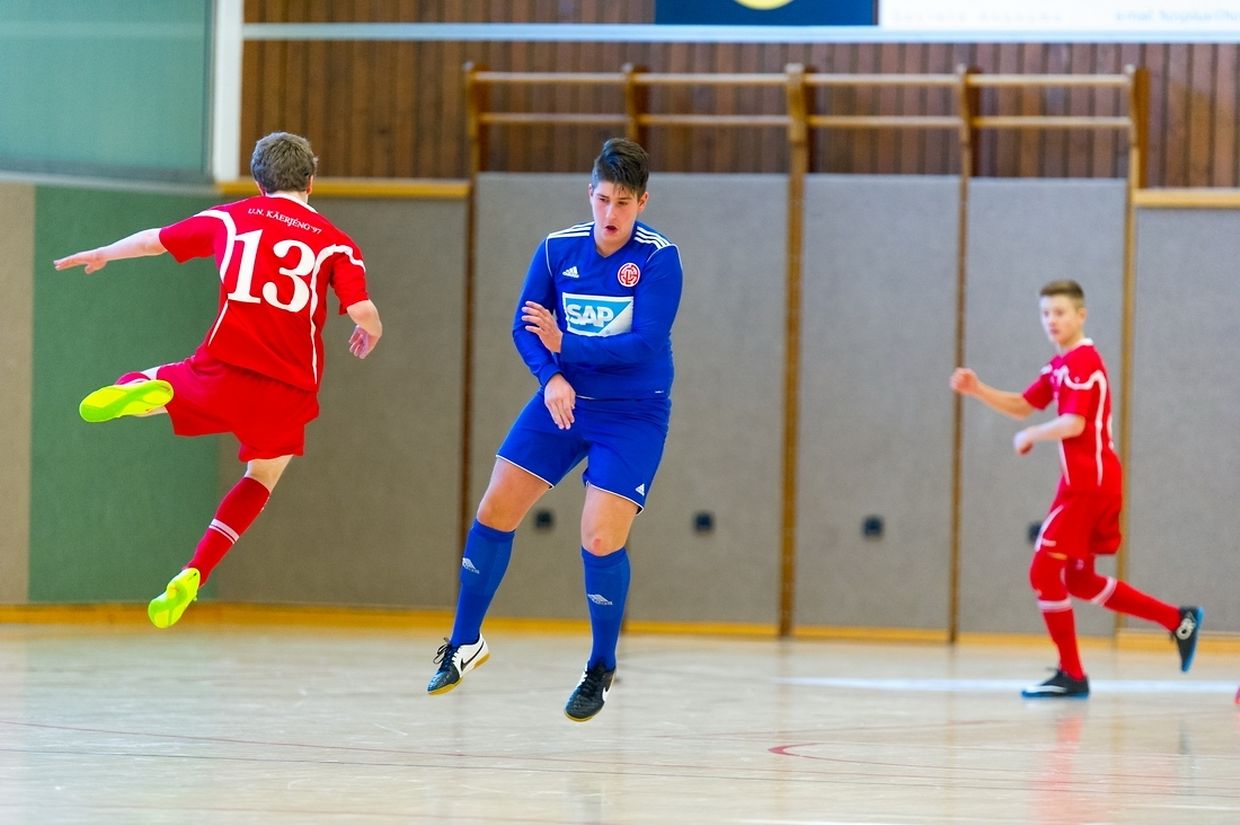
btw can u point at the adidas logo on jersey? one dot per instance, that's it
(571, 272)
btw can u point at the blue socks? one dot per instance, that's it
(487, 552)
(607, 586)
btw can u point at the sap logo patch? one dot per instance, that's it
(597, 314)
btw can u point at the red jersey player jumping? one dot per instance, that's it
(257, 372)
(1083, 521)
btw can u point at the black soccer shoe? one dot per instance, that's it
(454, 662)
(1059, 686)
(1186, 635)
(591, 692)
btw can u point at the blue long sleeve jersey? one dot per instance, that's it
(616, 313)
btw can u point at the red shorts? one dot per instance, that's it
(268, 417)
(1081, 525)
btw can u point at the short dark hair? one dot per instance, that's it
(283, 162)
(1066, 286)
(624, 163)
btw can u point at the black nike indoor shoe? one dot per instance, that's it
(1186, 633)
(591, 692)
(1059, 686)
(454, 662)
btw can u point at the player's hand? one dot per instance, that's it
(540, 321)
(560, 398)
(362, 343)
(1023, 442)
(964, 381)
(92, 259)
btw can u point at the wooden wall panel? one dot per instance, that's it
(395, 109)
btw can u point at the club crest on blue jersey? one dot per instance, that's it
(597, 314)
(629, 274)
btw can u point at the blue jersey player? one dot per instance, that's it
(593, 325)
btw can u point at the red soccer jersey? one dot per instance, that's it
(1077, 381)
(276, 257)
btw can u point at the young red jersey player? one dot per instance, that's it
(256, 373)
(1083, 521)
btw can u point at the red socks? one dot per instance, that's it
(1046, 574)
(1113, 594)
(1053, 579)
(235, 514)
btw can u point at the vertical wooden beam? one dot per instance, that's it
(1138, 123)
(475, 135)
(634, 103)
(967, 99)
(798, 167)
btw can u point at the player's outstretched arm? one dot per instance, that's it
(137, 245)
(369, 328)
(1012, 404)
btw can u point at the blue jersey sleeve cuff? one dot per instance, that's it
(546, 372)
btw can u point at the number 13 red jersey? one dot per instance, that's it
(1077, 381)
(276, 257)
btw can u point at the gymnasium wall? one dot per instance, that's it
(64, 64)
(1021, 235)
(407, 111)
(369, 516)
(1183, 516)
(16, 336)
(724, 437)
(876, 420)
(112, 508)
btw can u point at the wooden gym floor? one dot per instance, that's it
(274, 724)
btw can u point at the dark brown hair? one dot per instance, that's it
(624, 163)
(283, 162)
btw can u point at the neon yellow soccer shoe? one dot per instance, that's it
(116, 400)
(165, 609)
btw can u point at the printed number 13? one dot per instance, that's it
(243, 292)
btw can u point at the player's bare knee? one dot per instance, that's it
(494, 513)
(267, 471)
(599, 545)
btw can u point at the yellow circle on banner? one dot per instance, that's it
(763, 5)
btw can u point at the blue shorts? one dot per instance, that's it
(621, 440)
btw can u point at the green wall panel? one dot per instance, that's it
(116, 508)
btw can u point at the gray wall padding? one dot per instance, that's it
(515, 212)
(723, 449)
(369, 514)
(1022, 234)
(1183, 518)
(725, 420)
(16, 373)
(876, 416)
